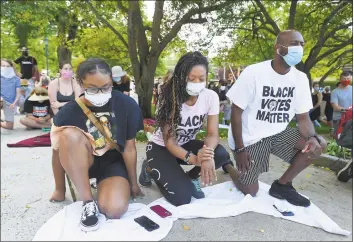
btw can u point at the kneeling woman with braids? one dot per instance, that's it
(183, 105)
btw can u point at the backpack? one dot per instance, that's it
(344, 132)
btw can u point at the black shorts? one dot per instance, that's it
(108, 165)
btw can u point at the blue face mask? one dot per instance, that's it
(294, 55)
(117, 79)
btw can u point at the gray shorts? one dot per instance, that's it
(8, 112)
(281, 145)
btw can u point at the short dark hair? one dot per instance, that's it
(346, 73)
(315, 83)
(90, 67)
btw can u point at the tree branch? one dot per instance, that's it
(133, 52)
(327, 53)
(105, 22)
(138, 28)
(121, 7)
(340, 27)
(185, 18)
(292, 14)
(197, 21)
(339, 60)
(156, 26)
(343, 54)
(310, 61)
(267, 16)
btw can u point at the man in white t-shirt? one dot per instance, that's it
(265, 99)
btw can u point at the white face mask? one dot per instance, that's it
(99, 99)
(222, 88)
(193, 89)
(7, 72)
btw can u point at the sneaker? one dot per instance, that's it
(197, 191)
(288, 193)
(89, 216)
(144, 177)
(346, 173)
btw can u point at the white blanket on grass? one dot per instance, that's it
(222, 200)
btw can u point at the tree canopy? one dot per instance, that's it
(121, 33)
(325, 25)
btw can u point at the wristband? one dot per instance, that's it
(187, 157)
(316, 137)
(240, 150)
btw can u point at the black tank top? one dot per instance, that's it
(314, 99)
(63, 99)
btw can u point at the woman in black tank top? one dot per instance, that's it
(316, 101)
(64, 99)
(61, 91)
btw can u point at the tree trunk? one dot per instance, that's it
(302, 67)
(145, 85)
(64, 54)
(145, 95)
(22, 31)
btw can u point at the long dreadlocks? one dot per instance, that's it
(170, 106)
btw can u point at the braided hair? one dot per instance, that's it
(174, 93)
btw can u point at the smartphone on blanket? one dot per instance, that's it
(147, 223)
(287, 213)
(161, 211)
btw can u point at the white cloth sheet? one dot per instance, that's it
(222, 200)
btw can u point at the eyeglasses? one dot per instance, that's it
(95, 90)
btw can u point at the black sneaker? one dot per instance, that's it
(288, 193)
(197, 191)
(346, 173)
(89, 216)
(144, 177)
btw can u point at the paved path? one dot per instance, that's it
(27, 183)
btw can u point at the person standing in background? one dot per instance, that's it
(28, 65)
(10, 93)
(121, 81)
(328, 108)
(342, 97)
(315, 113)
(225, 104)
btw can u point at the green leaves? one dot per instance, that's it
(254, 34)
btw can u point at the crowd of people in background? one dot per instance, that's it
(328, 105)
(26, 91)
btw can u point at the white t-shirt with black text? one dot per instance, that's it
(269, 100)
(192, 118)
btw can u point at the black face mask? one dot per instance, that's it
(25, 53)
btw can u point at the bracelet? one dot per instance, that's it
(187, 157)
(316, 137)
(240, 150)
